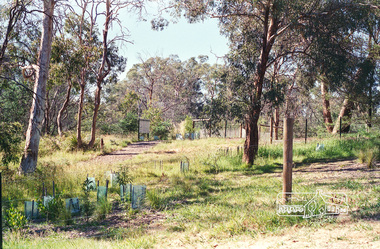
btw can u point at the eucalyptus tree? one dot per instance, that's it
(29, 159)
(146, 79)
(99, 52)
(217, 98)
(18, 34)
(109, 60)
(341, 58)
(327, 60)
(17, 48)
(80, 29)
(12, 13)
(168, 84)
(255, 29)
(64, 74)
(362, 90)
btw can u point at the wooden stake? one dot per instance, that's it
(106, 187)
(288, 158)
(225, 128)
(53, 189)
(271, 129)
(306, 131)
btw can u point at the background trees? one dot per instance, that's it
(170, 85)
(309, 59)
(263, 32)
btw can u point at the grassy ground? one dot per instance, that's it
(220, 202)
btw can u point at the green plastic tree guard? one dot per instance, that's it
(138, 196)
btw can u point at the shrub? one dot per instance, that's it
(14, 219)
(130, 123)
(124, 176)
(70, 143)
(161, 129)
(189, 125)
(369, 157)
(10, 138)
(106, 128)
(54, 210)
(158, 127)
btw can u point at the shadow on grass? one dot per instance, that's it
(344, 184)
(259, 170)
(308, 161)
(108, 228)
(370, 212)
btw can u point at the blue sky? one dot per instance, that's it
(183, 39)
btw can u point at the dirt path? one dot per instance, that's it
(336, 171)
(346, 233)
(126, 153)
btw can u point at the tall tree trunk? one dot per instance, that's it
(345, 113)
(29, 159)
(326, 107)
(63, 108)
(80, 110)
(252, 140)
(251, 144)
(102, 73)
(95, 115)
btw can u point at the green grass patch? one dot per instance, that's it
(219, 197)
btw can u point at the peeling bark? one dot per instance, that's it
(29, 159)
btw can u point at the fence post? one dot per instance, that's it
(138, 130)
(53, 190)
(225, 128)
(288, 158)
(306, 132)
(340, 127)
(106, 188)
(271, 129)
